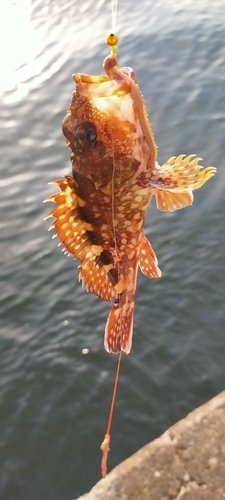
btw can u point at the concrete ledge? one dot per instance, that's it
(187, 462)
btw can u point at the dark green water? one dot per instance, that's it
(54, 400)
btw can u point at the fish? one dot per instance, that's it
(101, 208)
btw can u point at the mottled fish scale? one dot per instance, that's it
(100, 211)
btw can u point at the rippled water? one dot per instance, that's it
(54, 400)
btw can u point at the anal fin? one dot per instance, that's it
(148, 261)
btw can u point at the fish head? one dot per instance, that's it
(102, 127)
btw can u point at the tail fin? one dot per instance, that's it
(119, 326)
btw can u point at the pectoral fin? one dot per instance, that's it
(168, 201)
(174, 182)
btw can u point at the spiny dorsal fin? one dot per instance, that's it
(96, 280)
(71, 231)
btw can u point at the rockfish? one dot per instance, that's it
(101, 208)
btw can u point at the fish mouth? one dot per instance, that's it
(115, 82)
(110, 93)
(110, 65)
(102, 86)
(82, 78)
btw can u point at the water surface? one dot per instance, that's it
(54, 400)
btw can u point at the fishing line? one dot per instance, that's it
(114, 5)
(106, 442)
(113, 196)
(114, 394)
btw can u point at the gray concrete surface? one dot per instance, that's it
(187, 462)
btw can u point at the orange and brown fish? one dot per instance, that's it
(101, 208)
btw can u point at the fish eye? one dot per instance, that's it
(86, 135)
